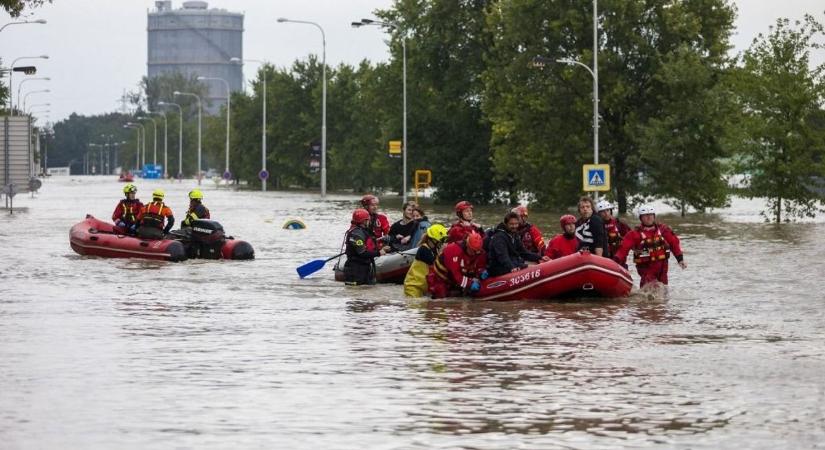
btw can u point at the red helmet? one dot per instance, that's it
(475, 242)
(368, 199)
(565, 219)
(461, 206)
(360, 215)
(521, 210)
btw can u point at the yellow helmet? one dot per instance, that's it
(437, 231)
(158, 193)
(129, 188)
(195, 194)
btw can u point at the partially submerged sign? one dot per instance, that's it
(15, 152)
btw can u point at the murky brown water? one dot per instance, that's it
(128, 354)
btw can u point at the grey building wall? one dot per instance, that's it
(196, 40)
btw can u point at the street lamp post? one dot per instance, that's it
(154, 135)
(137, 143)
(11, 67)
(41, 91)
(180, 136)
(364, 22)
(98, 156)
(263, 118)
(42, 21)
(46, 134)
(108, 144)
(142, 150)
(20, 84)
(228, 114)
(200, 113)
(165, 143)
(30, 109)
(323, 100)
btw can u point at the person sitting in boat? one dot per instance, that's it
(458, 268)
(196, 210)
(423, 225)
(379, 224)
(464, 225)
(127, 210)
(652, 243)
(614, 228)
(361, 250)
(153, 216)
(530, 234)
(590, 229)
(401, 232)
(565, 243)
(415, 283)
(506, 252)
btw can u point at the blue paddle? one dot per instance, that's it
(314, 266)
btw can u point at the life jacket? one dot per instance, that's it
(460, 229)
(379, 225)
(362, 237)
(651, 247)
(153, 217)
(130, 210)
(528, 239)
(194, 213)
(467, 263)
(614, 235)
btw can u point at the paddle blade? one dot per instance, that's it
(311, 267)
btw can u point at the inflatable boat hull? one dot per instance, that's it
(577, 275)
(95, 237)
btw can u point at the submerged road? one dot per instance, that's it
(128, 354)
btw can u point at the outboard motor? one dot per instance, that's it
(207, 239)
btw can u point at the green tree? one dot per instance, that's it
(781, 99)
(162, 88)
(542, 119)
(682, 149)
(358, 158)
(447, 42)
(73, 135)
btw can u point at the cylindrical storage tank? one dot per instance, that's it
(197, 41)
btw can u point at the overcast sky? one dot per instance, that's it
(97, 48)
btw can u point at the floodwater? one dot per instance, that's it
(128, 354)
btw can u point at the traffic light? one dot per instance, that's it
(28, 70)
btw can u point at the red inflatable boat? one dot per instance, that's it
(577, 275)
(126, 177)
(97, 238)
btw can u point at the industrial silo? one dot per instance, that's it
(197, 40)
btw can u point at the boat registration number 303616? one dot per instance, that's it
(524, 277)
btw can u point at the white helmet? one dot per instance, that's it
(603, 205)
(646, 209)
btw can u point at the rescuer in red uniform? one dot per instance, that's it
(127, 210)
(565, 243)
(530, 234)
(458, 267)
(464, 225)
(652, 243)
(379, 224)
(614, 228)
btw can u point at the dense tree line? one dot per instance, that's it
(678, 113)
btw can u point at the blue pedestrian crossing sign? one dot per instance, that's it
(596, 177)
